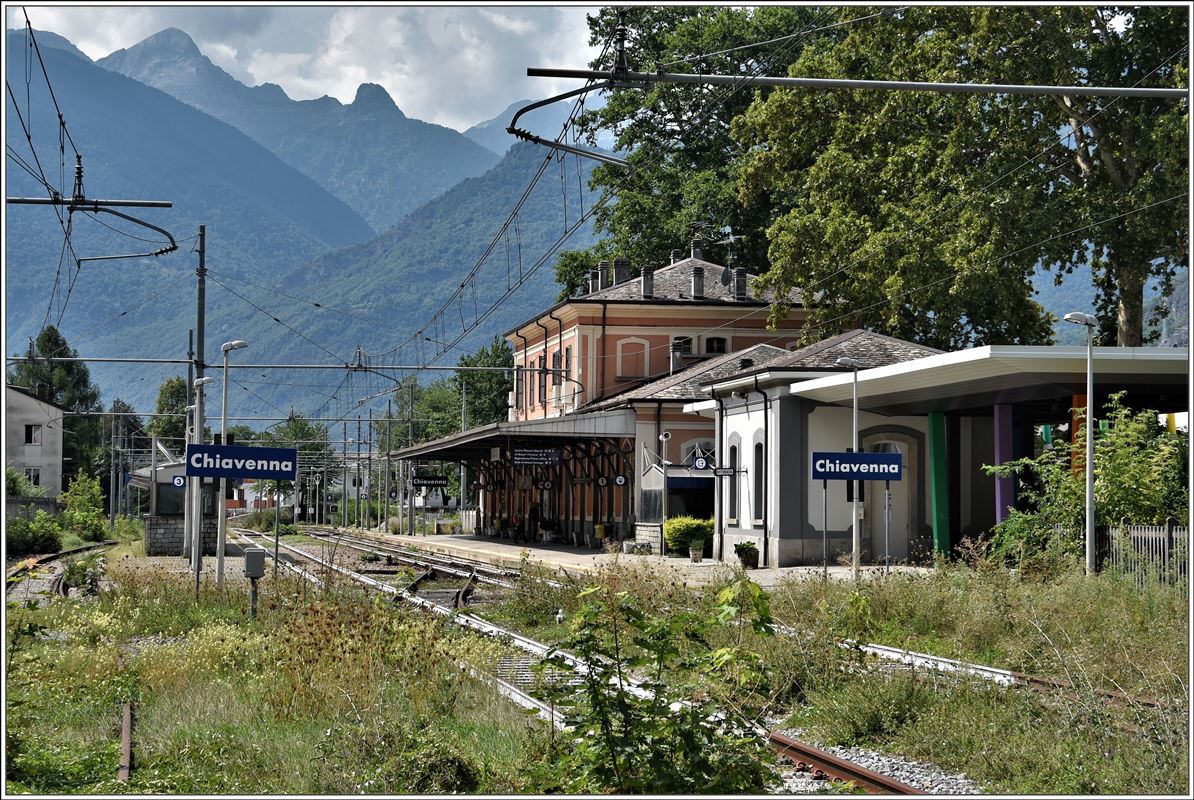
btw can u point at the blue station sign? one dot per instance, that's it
(857, 466)
(253, 463)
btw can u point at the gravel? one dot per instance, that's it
(926, 777)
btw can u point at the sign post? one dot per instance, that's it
(853, 466)
(256, 463)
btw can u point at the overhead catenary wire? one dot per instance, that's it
(285, 325)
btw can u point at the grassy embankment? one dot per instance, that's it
(1098, 634)
(323, 693)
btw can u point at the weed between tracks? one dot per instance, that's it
(338, 693)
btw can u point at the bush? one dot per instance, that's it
(17, 485)
(84, 514)
(41, 535)
(679, 531)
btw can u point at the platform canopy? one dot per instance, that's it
(478, 443)
(1039, 380)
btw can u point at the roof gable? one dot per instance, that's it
(869, 348)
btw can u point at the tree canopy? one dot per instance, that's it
(920, 214)
(172, 400)
(69, 385)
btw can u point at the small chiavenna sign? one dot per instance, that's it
(857, 466)
(255, 463)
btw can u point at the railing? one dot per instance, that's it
(1150, 553)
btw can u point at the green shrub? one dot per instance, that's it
(39, 535)
(17, 485)
(84, 514)
(679, 531)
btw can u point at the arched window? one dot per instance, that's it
(760, 471)
(689, 450)
(715, 344)
(732, 500)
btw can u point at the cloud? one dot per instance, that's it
(454, 66)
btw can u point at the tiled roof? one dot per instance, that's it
(869, 348)
(686, 384)
(674, 283)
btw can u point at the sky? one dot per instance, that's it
(451, 65)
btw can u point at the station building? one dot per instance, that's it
(641, 388)
(600, 384)
(33, 438)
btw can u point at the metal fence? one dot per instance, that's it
(1150, 553)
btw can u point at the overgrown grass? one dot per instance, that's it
(336, 693)
(1009, 740)
(1100, 632)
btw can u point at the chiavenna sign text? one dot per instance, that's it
(259, 463)
(857, 466)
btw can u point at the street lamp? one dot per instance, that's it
(197, 491)
(187, 522)
(221, 522)
(1090, 321)
(856, 559)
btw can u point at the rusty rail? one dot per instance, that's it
(822, 763)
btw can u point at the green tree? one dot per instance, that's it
(677, 136)
(69, 385)
(1141, 472)
(172, 401)
(84, 513)
(919, 211)
(487, 393)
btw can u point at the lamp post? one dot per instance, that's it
(221, 522)
(856, 558)
(187, 522)
(1090, 321)
(197, 490)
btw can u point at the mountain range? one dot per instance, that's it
(369, 154)
(292, 269)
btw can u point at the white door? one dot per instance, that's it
(898, 535)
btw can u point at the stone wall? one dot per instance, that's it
(164, 535)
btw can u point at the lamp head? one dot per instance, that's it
(844, 361)
(202, 381)
(1078, 318)
(235, 344)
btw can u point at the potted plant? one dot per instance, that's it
(696, 548)
(748, 554)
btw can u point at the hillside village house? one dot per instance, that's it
(33, 438)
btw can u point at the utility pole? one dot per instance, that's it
(463, 468)
(357, 472)
(410, 469)
(112, 478)
(386, 501)
(200, 336)
(344, 487)
(187, 521)
(369, 472)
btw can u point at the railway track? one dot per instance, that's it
(515, 674)
(506, 578)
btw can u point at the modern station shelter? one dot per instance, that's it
(948, 414)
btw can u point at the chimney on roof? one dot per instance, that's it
(603, 274)
(698, 248)
(739, 283)
(698, 283)
(621, 270)
(677, 255)
(593, 284)
(648, 282)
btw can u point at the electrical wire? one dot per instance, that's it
(113, 228)
(49, 85)
(288, 327)
(884, 13)
(321, 306)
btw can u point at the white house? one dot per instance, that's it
(33, 438)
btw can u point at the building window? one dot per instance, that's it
(697, 447)
(715, 344)
(556, 378)
(568, 361)
(518, 375)
(760, 471)
(32, 434)
(732, 500)
(682, 345)
(543, 380)
(33, 473)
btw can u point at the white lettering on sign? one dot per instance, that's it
(205, 461)
(825, 465)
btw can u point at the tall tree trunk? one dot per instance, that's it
(1130, 320)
